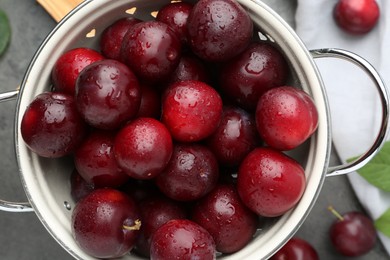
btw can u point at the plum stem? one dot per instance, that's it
(136, 226)
(334, 212)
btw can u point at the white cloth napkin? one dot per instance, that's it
(354, 103)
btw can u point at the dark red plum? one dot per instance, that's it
(191, 173)
(106, 223)
(112, 37)
(218, 30)
(107, 94)
(182, 239)
(96, 163)
(226, 218)
(235, 136)
(51, 125)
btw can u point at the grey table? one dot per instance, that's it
(23, 237)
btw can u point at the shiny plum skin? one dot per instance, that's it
(107, 94)
(269, 182)
(296, 249)
(191, 110)
(218, 30)
(182, 239)
(191, 173)
(226, 218)
(156, 211)
(99, 221)
(69, 65)
(258, 68)
(143, 148)
(152, 50)
(95, 161)
(354, 235)
(286, 117)
(176, 15)
(51, 125)
(112, 37)
(356, 16)
(235, 136)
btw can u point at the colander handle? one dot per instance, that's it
(384, 98)
(7, 205)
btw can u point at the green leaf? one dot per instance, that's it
(377, 171)
(382, 224)
(5, 31)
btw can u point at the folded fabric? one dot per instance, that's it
(354, 102)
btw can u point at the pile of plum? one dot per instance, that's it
(177, 128)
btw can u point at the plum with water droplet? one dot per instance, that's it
(226, 218)
(246, 77)
(106, 223)
(235, 136)
(143, 148)
(152, 50)
(176, 15)
(51, 125)
(182, 239)
(286, 117)
(191, 173)
(95, 162)
(218, 30)
(155, 212)
(270, 182)
(191, 110)
(69, 65)
(110, 41)
(107, 94)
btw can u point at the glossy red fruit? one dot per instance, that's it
(191, 173)
(96, 163)
(218, 30)
(176, 15)
(269, 182)
(106, 223)
(258, 68)
(112, 37)
(107, 94)
(182, 239)
(235, 136)
(51, 125)
(356, 16)
(286, 117)
(143, 148)
(191, 110)
(226, 218)
(353, 235)
(69, 65)
(296, 249)
(152, 50)
(155, 212)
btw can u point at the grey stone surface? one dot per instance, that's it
(23, 237)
